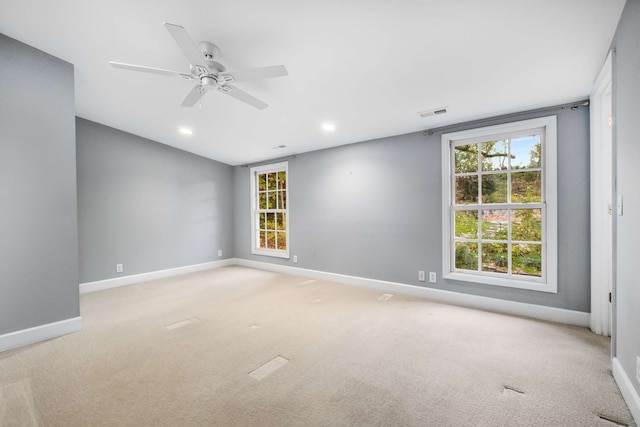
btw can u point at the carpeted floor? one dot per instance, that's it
(190, 350)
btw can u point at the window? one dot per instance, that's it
(499, 205)
(270, 210)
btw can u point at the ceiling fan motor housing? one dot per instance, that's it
(216, 66)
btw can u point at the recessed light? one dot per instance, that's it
(186, 131)
(328, 127)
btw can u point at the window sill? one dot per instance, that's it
(537, 285)
(271, 252)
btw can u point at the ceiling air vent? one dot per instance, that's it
(433, 112)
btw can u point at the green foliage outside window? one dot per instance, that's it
(499, 165)
(272, 203)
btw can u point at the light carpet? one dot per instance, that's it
(180, 351)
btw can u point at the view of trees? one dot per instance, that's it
(507, 174)
(272, 202)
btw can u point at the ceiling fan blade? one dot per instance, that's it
(150, 70)
(254, 74)
(193, 96)
(242, 96)
(185, 43)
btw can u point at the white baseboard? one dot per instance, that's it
(40, 333)
(552, 314)
(625, 385)
(153, 275)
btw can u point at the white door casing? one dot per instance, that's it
(601, 200)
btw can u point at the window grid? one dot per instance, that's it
(272, 212)
(508, 208)
(270, 234)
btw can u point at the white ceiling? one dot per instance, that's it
(369, 66)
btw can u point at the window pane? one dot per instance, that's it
(262, 182)
(526, 187)
(271, 221)
(527, 225)
(466, 158)
(526, 152)
(282, 202)
(527, 259)
(467, 256)
(262, 221)
(280, 221)
(494, 188)
(282, 241)
(495, 224)
(271, 199)
(495, 257)
(263, 239)
(262, 201)
(271, 181)
(466, 224)
(282, 180)
(466, 190)
(494, 155)
(271, 239)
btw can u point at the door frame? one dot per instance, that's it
(602, 206)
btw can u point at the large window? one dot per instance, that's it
(500, 205)
(270, 210)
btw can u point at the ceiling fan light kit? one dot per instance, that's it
(210, 73)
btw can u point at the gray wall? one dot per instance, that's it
(38, 219)
(146, 205)
(626, 100)
(374, 210)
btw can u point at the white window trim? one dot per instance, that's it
(274, 167)
(549, 179)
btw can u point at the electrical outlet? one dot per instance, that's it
(421, 276)
(638, 368)
(295, 259)
(432, 277)
(119, 268)
(219, 252)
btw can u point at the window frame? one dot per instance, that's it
(255, 211)
(549, 281)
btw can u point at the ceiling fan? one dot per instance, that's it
(209, 73)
